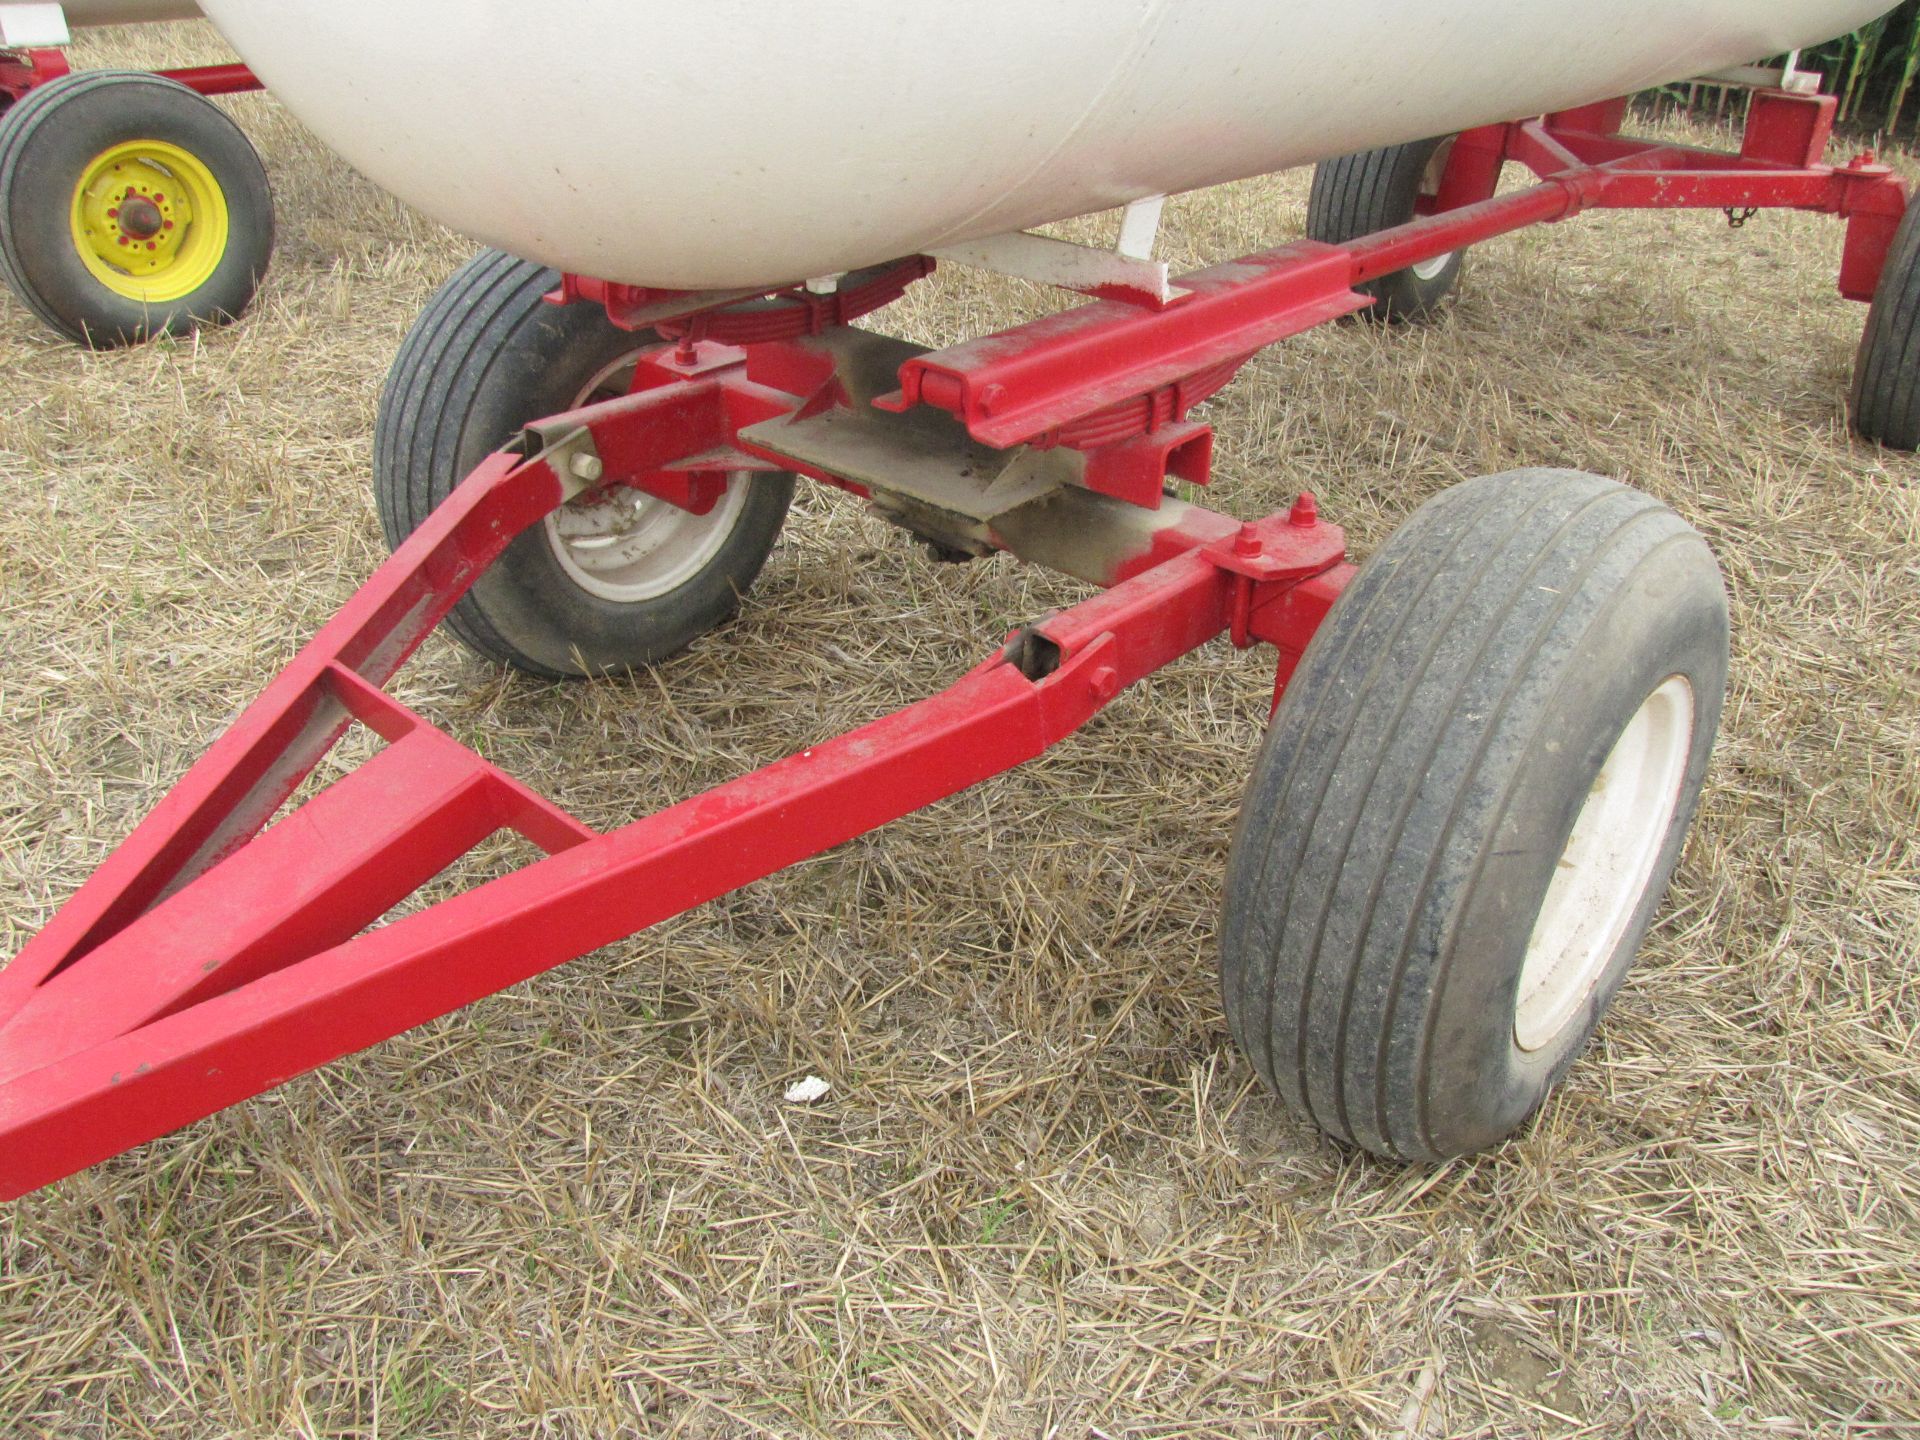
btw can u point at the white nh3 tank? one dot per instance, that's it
(710, 144)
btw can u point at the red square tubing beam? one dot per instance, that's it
(215, 79)
(1021, 384)
(209, 959)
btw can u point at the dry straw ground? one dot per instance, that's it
(1044, 1197)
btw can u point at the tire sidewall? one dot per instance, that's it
(1884, 398)
(527, 596)
(1404, 295)
(88, 114)
(1401, 296)
(1659, 621)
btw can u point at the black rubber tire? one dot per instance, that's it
(1886, 373)
(1417, 789)
(1375, 190)
(487, 356)
(48, 141)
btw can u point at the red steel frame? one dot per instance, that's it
(215, 955)
(22, 71)
(232, 79)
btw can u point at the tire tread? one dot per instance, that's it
(434, 374)
(1356, 195)
(1886, 388)
(1369, 768)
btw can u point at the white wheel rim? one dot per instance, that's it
(627, 546)
(1603, 873)
(1430, 187)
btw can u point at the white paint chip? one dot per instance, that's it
(805, 1092)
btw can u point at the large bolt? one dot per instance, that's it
(586, 467)
(1247, 542)
(1305, 512)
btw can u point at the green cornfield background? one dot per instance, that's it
(1873, 71)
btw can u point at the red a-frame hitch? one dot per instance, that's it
(209, 960)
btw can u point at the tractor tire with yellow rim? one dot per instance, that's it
(130, 207)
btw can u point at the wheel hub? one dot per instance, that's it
(140, 218)
(149, 221)
(626, 546)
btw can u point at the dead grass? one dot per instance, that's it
(1044, 1197)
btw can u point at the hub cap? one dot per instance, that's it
(626, 546)
(1604, 871)
(149, 221)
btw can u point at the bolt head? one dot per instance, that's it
(586, 467)
(1247, 542)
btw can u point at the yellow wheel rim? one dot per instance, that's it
(149, 221)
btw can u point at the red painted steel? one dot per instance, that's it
(1102, 373)
(201, 964)
(784, 312)
(1778, 167)
(215, 79)
(1035, 383)
(215, 954)
(23, 70)
(1022, 383)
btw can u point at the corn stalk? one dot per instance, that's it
(1872, 70)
